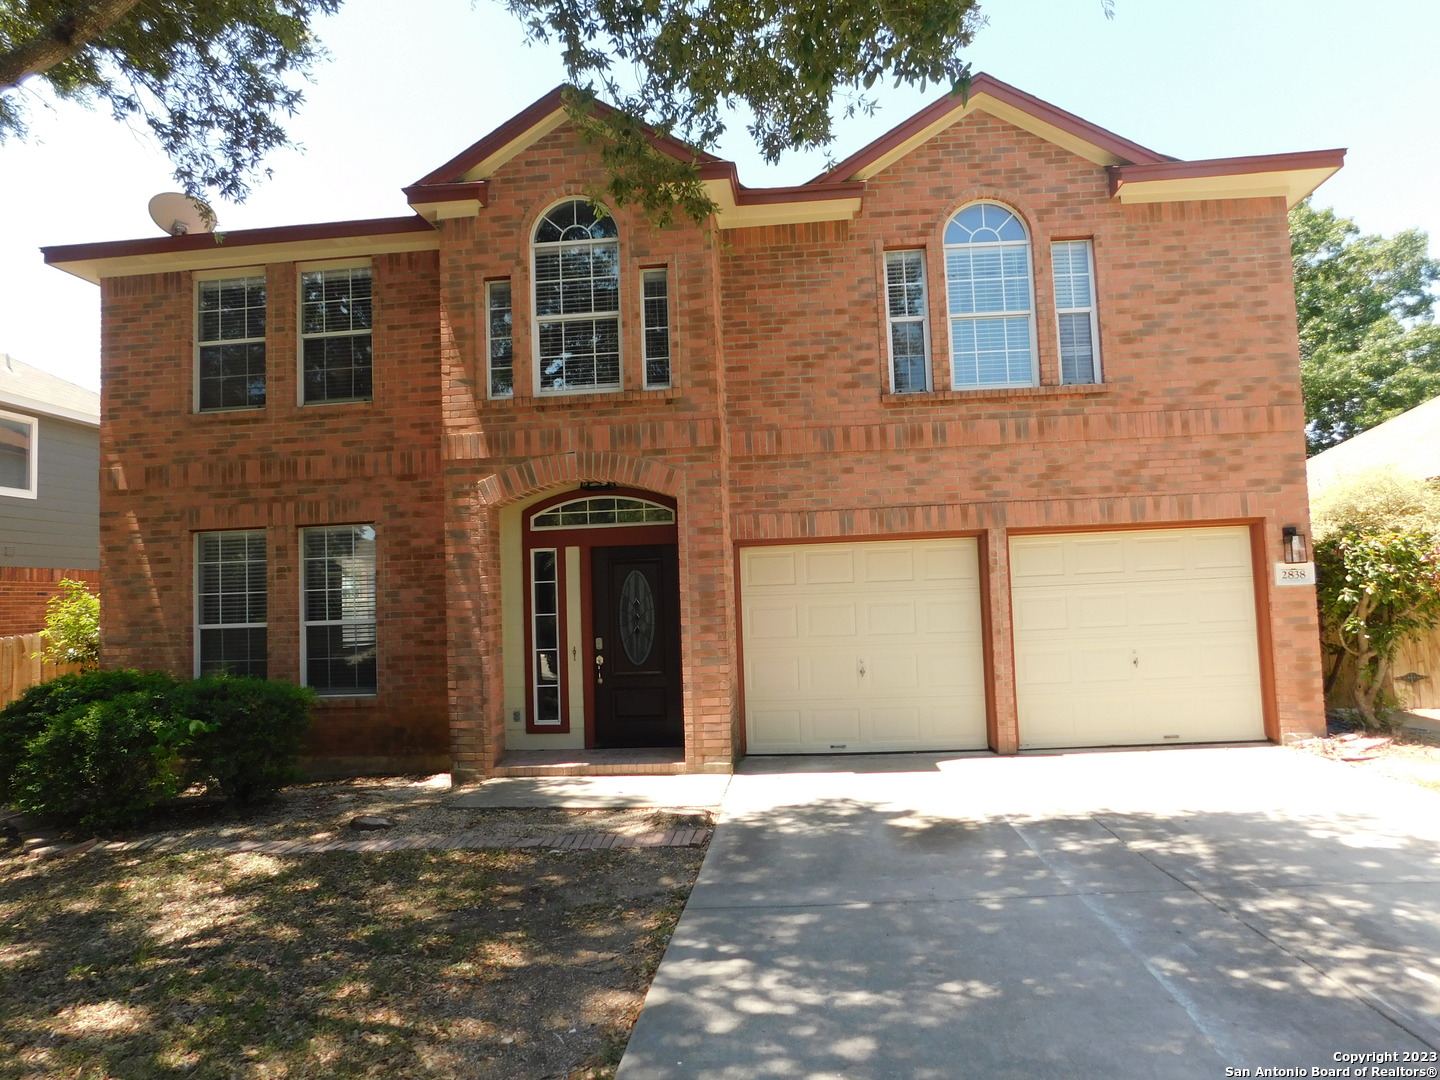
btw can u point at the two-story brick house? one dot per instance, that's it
(985, 438)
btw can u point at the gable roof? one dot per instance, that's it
(1408, 443)
(461, 186)
(35, 391)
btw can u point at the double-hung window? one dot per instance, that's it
(335, 316)
(339, 609)
(230, 342)
(230, 603)
(1073, 263)
(18, 457)
(577, 300)
(988, 288)
(905, 313)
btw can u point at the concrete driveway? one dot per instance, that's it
(1165, 914)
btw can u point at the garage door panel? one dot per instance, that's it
(1164, 651)
(908, 612)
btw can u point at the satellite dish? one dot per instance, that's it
(177, 214)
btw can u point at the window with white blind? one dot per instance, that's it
(988, 290)
(230, 343)
(500, 335)
(18, 458)
(335, 346)
(655, 287)
(339, 608)
(577, 300)
(906, 316)
(231, 609)
(1073, 267)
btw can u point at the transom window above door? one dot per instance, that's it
(988, 290)
(577, 300)
(602, 510)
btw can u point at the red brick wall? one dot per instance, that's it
(778, 426)
(168, 473)
(24, 592)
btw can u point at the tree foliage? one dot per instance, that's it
(1369, 349)
(213, 78)
(1377, 561)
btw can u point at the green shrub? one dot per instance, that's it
(72, 626)
(100, 747)
(251, 734)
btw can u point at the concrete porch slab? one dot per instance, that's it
(596, 792)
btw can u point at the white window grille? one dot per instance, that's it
(602, 510)
(19, 455)
(577, 300)
(655, 285)
(230, 343)
(1073, 263)
(335, 322)
(231, 609)
(339, 608)
(906, 312)
(545, 636)
(500, 332)
(987, 284)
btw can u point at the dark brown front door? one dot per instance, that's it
(635, 663)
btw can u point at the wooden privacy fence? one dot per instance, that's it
(21, 669)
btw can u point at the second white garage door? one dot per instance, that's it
(862, 647)
(1134, 638)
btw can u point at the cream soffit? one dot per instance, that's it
(488, 166)
(734, 215)
(221, 256)
(980, 101)
(1291, 184)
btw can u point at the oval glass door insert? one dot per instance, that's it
(637, 617)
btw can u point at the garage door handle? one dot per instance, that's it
(1134, 658)
(862, 669)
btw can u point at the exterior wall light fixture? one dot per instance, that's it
(1292, 543)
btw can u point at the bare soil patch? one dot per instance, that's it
(436, 964)
(1411, 757)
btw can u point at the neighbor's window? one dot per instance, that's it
(577, 300)
(339, 608)
(335, 312)
(230, 342)
(230, 603)
(905, 312)
(1079, 331)
(987, 285)
(19, 436)
(501, 332)
(655, 285)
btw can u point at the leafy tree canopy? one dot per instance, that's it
(1369, 348)
(214, 78)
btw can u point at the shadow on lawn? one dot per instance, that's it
(397, 965)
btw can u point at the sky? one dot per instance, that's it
(409, 85)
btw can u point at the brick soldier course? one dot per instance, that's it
(779, 423)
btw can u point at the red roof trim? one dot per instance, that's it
(809, 192)
(1231, 166)
(985, 84)
(425, 194)
(522, 122)
(240, 238)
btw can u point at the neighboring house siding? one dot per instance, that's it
(59, 528)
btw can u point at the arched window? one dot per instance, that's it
(577, 299)
(988, 286)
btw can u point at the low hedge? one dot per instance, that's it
(103, 747)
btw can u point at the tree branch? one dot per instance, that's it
(70, 33)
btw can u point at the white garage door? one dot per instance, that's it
(1133, 638)
(862, 647)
